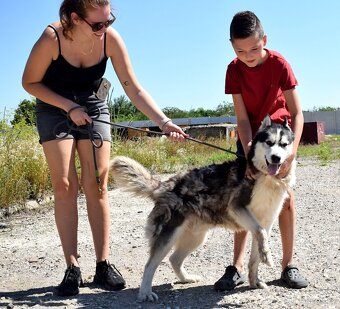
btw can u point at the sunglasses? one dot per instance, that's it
(99, 26)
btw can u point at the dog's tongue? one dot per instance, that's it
(273, 169)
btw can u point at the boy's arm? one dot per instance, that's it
(294, 108)
(243, 123)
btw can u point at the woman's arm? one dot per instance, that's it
(41, 56)
(43, 52)
(118, 53)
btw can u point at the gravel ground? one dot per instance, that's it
(31, 260)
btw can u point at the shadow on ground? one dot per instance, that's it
(92, 297)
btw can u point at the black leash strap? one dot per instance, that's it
(166, 134)
(89, 130)
(95, 113)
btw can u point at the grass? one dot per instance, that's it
(24, 173)
(23, 170)
(326, 151)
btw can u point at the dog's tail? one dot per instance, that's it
(131, 176)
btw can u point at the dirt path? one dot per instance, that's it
(31, 261)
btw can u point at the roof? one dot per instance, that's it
(183, 121)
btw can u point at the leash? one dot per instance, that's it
(95, 113)
(167, 134)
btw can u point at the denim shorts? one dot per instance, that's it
(52, 122)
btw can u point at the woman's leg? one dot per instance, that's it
(60, 156)
(97, 202)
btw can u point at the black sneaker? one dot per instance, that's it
(231, 278)
(71, 282)
(109, 276)
(292, 278)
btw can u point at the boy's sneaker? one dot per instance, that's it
(109, 276)
(71, 282)
(292, 278)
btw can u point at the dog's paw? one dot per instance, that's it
(258, 284)
(190, 279)
(264, 251)
(267, 258)
(147, 296)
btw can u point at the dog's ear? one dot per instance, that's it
(266, 122)
(285, 123)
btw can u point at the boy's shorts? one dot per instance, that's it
(52, 122)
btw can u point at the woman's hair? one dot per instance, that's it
(80, 8)
(244, 25)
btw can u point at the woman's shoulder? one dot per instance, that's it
(112, 34)
(48, 41)
(113, 41)
(51, 32)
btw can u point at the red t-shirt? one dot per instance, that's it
(262, 88)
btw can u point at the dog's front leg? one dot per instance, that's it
(248, 221)
(253, 267)
(260, 237)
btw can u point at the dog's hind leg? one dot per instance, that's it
(253, 267)
(160, 247)
(248, 221)
(187, 242)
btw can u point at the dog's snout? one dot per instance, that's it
(275, 159)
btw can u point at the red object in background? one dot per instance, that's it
(313, 132)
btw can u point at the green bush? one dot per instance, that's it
(23, 169)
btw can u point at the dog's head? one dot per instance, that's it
(271, 146)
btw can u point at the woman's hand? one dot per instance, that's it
(174, 131)
(79, 116)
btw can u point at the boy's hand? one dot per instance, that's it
(250, 174)
(285, 167)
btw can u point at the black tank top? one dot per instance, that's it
(62, 76)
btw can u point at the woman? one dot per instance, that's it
(63, 72)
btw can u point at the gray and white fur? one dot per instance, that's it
(190, 203)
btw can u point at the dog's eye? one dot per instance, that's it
(283, 145)
(269, 143)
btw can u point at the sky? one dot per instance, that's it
(180, 49)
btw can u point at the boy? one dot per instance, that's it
(262, 82)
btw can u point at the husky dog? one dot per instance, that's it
(188, 204)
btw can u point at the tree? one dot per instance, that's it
(25, 113)
(324, 109)
(225, 109)
(121, 109)
(174, 112)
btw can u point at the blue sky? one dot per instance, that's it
(180, 49)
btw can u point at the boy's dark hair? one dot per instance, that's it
(244, 25)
